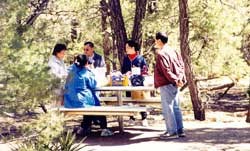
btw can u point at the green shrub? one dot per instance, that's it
(47, 134)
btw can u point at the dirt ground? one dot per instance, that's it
(221, 131)
(224, 129)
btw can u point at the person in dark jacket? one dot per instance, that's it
(133, 59)
(168, 76)
(94, 58)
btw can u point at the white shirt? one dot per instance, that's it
(57, 67)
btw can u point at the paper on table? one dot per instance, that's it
(136, 70)
(100, 76)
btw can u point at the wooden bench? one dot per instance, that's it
(105, 110)
(151, 101)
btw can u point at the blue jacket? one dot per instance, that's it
(79, 89)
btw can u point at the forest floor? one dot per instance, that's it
(224, 129)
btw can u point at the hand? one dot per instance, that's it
(129, 73)
(179, 83)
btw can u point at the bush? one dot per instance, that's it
(46, 134)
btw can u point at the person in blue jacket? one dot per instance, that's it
(80, 93)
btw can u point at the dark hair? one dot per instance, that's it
(162, 36)
(91, 44)
(58, 48)
(81, 60)
(132, 43)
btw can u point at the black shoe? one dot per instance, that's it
(165, 133)
(166, 136)
(132, 118)
(181, 133)
(82, 132)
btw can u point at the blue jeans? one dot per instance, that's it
(170, 108)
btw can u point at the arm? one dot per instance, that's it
(165, 65)
(53, 67)
(144, 67)
(91, 81)
(182, 68)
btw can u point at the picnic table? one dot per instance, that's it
(119, 90)
(119, 110)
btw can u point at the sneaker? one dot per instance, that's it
(144, 122)
(164, 134)
(181, 134)
(169, 136)
(131, 122)
(107, 132)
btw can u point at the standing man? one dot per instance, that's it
(168, 76)
(94, 58)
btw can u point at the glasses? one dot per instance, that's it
(86, 49)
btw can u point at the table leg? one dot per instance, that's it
(120, 118)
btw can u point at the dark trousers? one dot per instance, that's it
(88, 119)
(143, 116)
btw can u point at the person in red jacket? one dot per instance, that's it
(168, 76)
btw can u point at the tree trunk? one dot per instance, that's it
(139, 16)
(248, 113)
(73, 33)
(245, 48)
(199, 111)
(118, 27)
(106, 43)
(39, 8)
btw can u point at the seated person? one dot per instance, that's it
(133, 59)
(96, 59)
(79, 93)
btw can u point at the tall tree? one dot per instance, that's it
(245, 48)
(248, 112)
(199, 111)
(106, 41)
(118, 27)
(139, 16)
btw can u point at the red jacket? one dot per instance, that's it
(169, 67)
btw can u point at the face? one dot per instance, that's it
(88, 51)
(60, 54)
(158, 43)
(130, 50)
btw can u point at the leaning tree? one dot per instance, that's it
(199, 111)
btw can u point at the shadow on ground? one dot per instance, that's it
(234, 101)
(201, 135)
